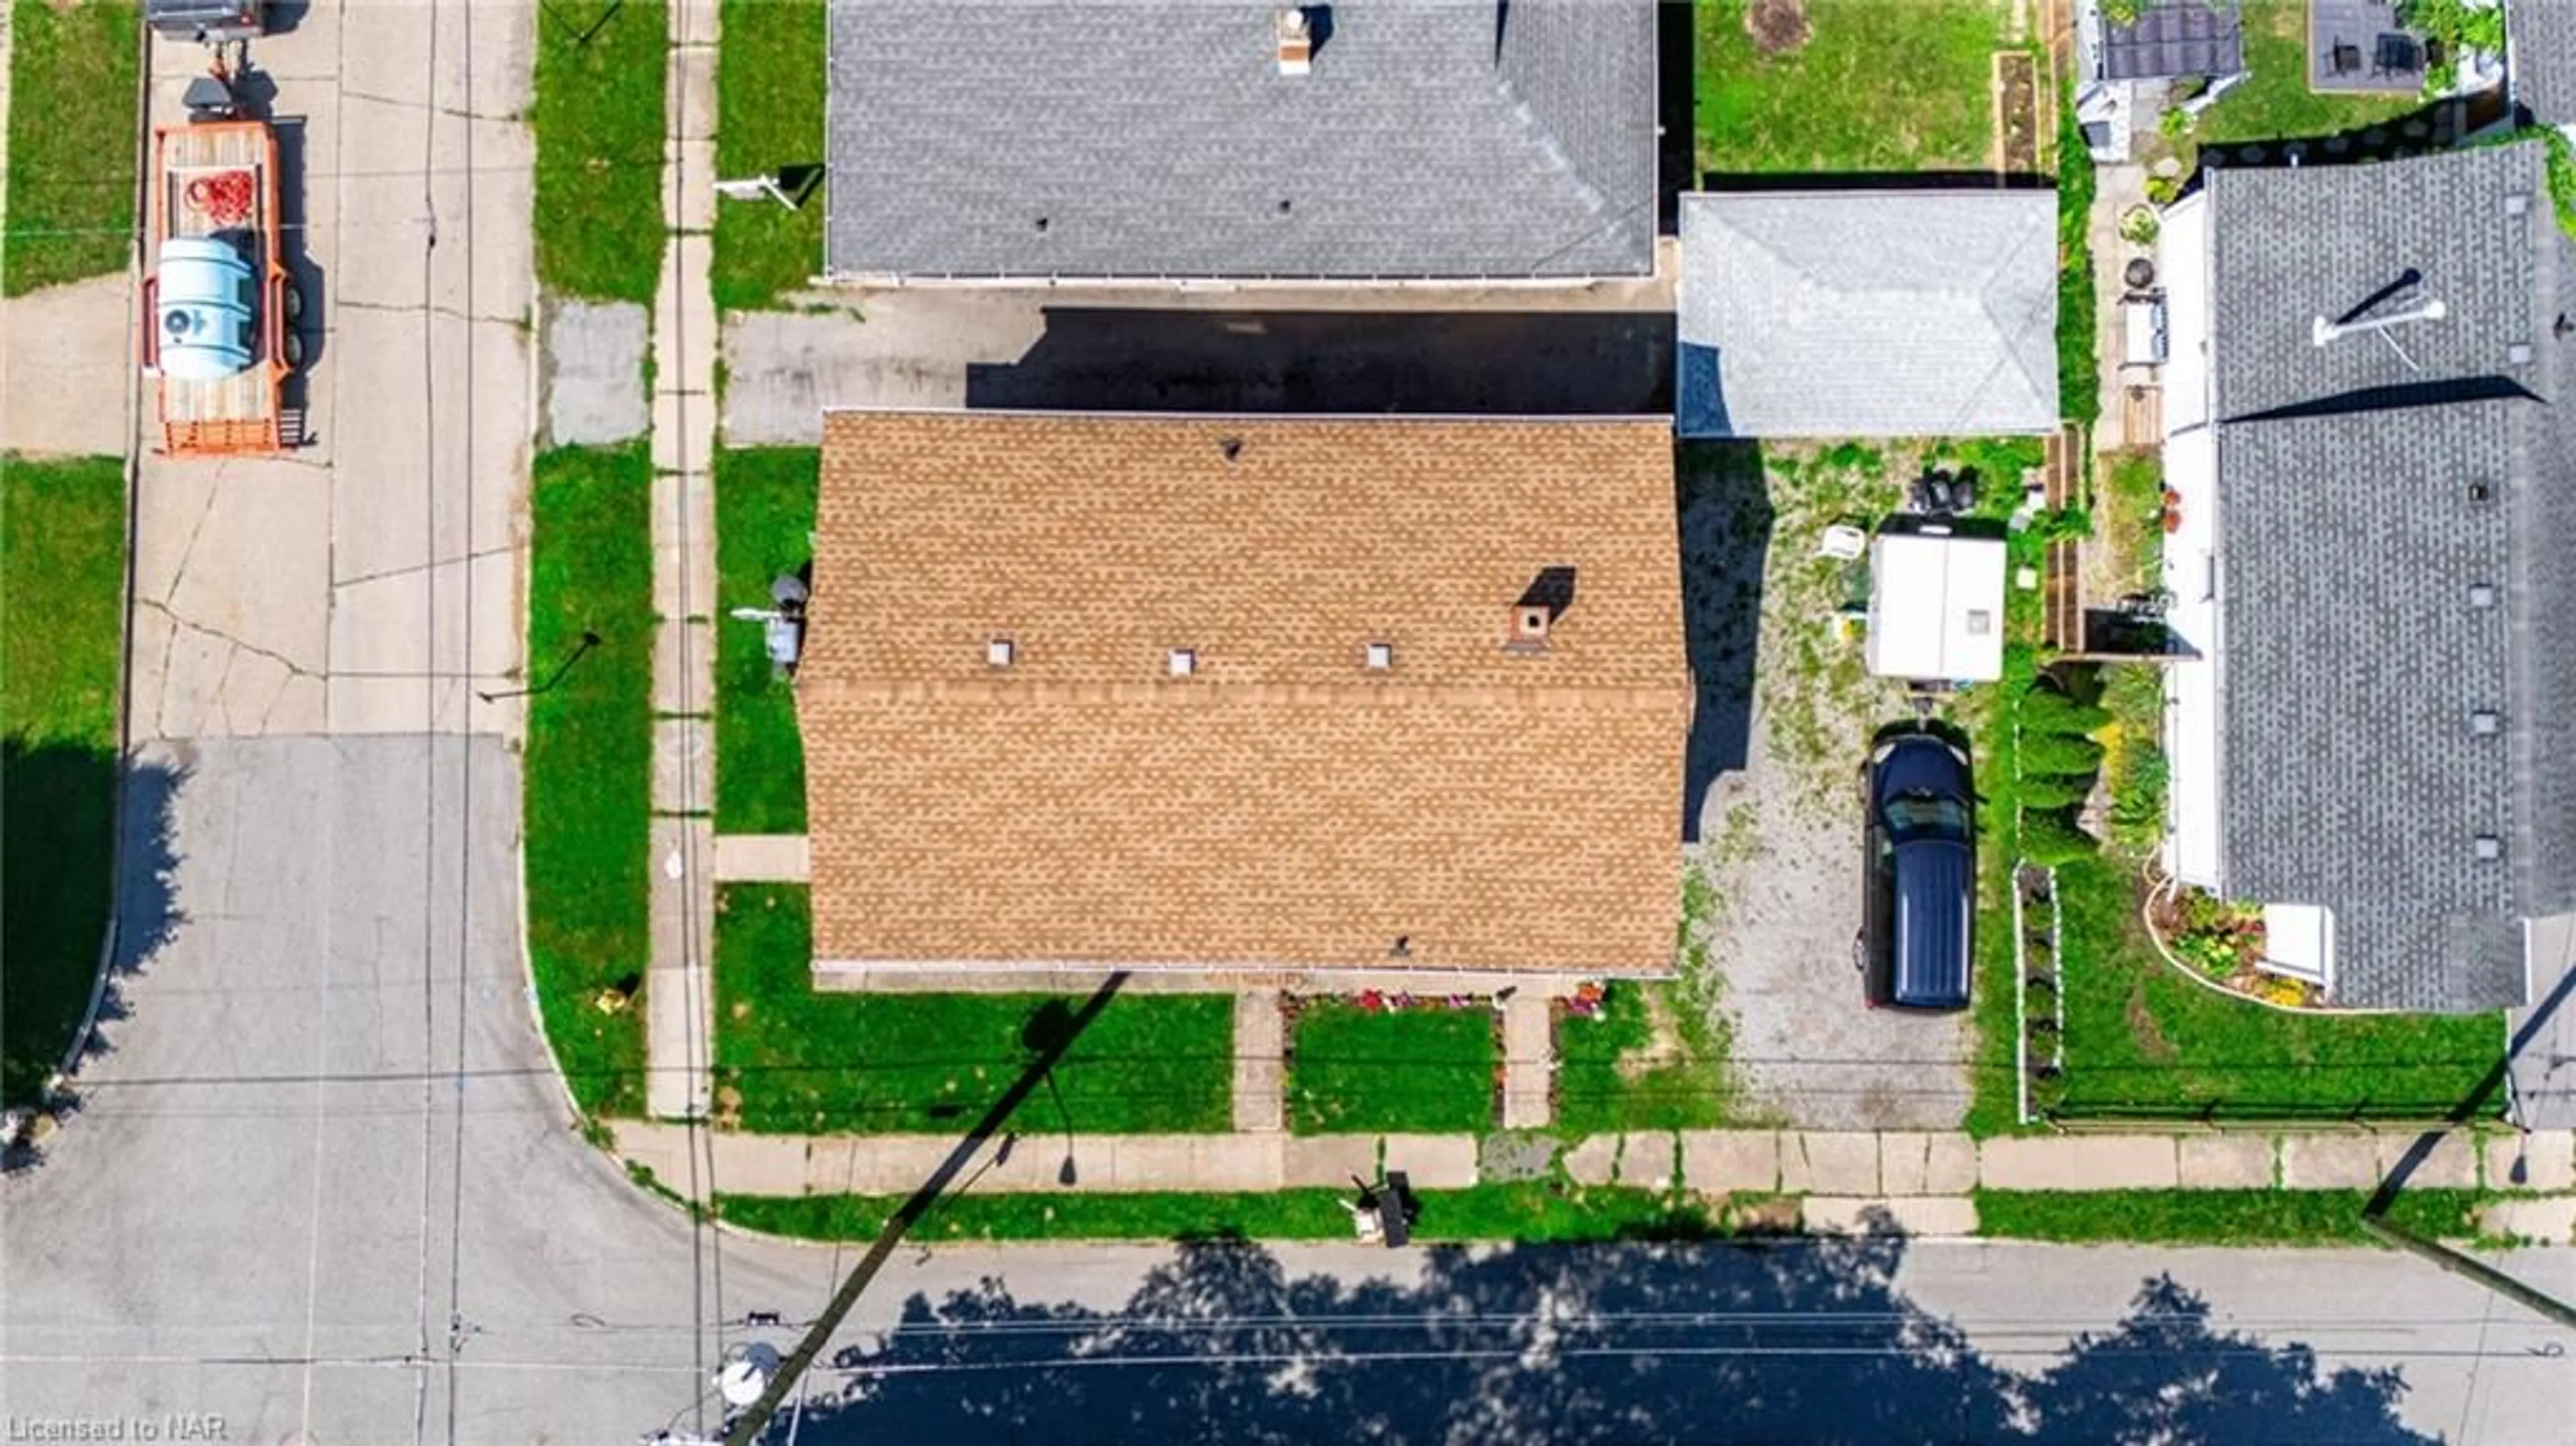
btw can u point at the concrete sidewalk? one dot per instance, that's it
(1921, 1179)
(679, 1014)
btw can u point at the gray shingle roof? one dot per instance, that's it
(1868, 313)
(2542, 36)
(2362, 499)
(1433, 138)
(2175, 38)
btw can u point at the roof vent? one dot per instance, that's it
(2484, 721)
(1184, 662)
(2517, 203)
(999, 652)
(2481, 492)
(2323, 332)
(1232, 447)
(2482, 595)
(1296, 42)
(1381, 656)
(2489, 846)
(2518, 354)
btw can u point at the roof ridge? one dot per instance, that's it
(2008, 327)
(1204, 691)
(1588, 192)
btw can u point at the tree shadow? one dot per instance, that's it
(1725, 515)
(1628, 1343)
(73, 850)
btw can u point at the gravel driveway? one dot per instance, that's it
(1786, 717)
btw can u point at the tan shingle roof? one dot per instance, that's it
(1286, 805)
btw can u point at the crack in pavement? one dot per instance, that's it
(430, 107)
(469, 556)
(221, 636)
(405, 308)
(188, 553)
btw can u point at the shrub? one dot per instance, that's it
(2079, 375)
(2456, 23)
(2051, 838)
(2211, 954)
(2046, 710)
(2045, 753)
(2138, 796)
(2056, 790)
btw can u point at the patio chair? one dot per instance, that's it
(2398, 54)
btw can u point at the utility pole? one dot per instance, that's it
(1042, 1062)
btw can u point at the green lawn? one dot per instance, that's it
(599, 125)
(1994, 1108)
(2141, 1040)
(1650, 1060)
(62, 585)
(764, 526)
(769, 114)
(1878, 87)
(1408, 1070)
(2273, 102)
(1529, 1213)
(72, 71)
(589, 763)
(791, 1059)
(2218, 1217)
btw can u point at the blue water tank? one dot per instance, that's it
(207, 308)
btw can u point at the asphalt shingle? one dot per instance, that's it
(2371, 485)
(2542, 37)
(1868, 313)
(1432, 138)
(1288, 804)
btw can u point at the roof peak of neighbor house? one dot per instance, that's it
(1832, 313)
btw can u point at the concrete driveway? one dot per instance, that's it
(1604, 349)
(368, 581)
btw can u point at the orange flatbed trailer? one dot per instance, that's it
(216, 180)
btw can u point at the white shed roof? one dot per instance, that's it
(1936, 607)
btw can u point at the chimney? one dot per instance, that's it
(1540, 605)
(1529, 626)
(1296, 42)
